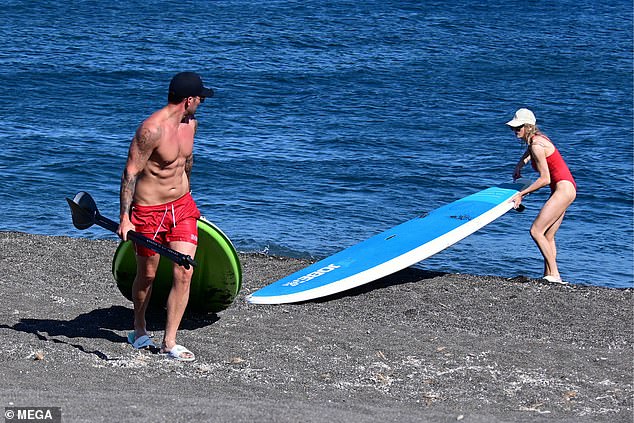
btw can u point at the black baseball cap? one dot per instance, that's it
(189, 84)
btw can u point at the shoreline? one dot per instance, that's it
(417, 345)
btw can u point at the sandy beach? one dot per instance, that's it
(416, 346)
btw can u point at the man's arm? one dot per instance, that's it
(141, 147)
(189, 162)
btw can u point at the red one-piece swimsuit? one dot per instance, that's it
(558, 169)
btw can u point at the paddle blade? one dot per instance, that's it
(85, 214)
(83, 210)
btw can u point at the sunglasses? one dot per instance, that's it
(517, 128)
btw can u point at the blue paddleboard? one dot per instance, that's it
(392, 250)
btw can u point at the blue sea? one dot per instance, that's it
(332, 120)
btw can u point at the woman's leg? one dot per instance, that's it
(550, 238)
(548, 222)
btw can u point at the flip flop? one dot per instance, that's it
(177, 353)
(142, 342)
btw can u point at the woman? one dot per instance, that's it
(553, 171)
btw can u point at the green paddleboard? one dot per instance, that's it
(216, 281)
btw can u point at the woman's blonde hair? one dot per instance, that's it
(530, 131)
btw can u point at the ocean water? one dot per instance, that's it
(332, 121)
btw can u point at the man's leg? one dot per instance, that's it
(142, 290)
(179, 294)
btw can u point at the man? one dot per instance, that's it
(156, 202)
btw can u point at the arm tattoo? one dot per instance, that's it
(189, 163)
(145, 138)
(128, 185)
(190, 160)
(140, 150)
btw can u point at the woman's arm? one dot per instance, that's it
(537, 153)
(517, 173)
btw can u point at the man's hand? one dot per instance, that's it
(124, 227)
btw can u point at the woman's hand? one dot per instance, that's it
(517, 200)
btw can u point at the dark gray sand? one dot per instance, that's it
(417, 346)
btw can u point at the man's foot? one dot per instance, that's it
(178, 352)
(142, 342)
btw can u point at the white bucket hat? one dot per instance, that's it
(522, 116)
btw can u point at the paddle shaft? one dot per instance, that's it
(175, 256)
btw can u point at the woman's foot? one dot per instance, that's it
(555, 279)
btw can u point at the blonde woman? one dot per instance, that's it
(554, 172)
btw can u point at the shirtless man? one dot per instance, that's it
(156, 202)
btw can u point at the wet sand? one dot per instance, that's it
(416, 346)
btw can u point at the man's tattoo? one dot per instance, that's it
(146, 136)
(189, 163)
(128, 185)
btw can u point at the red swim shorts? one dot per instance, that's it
(173, 221)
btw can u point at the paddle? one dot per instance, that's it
(85, 214)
